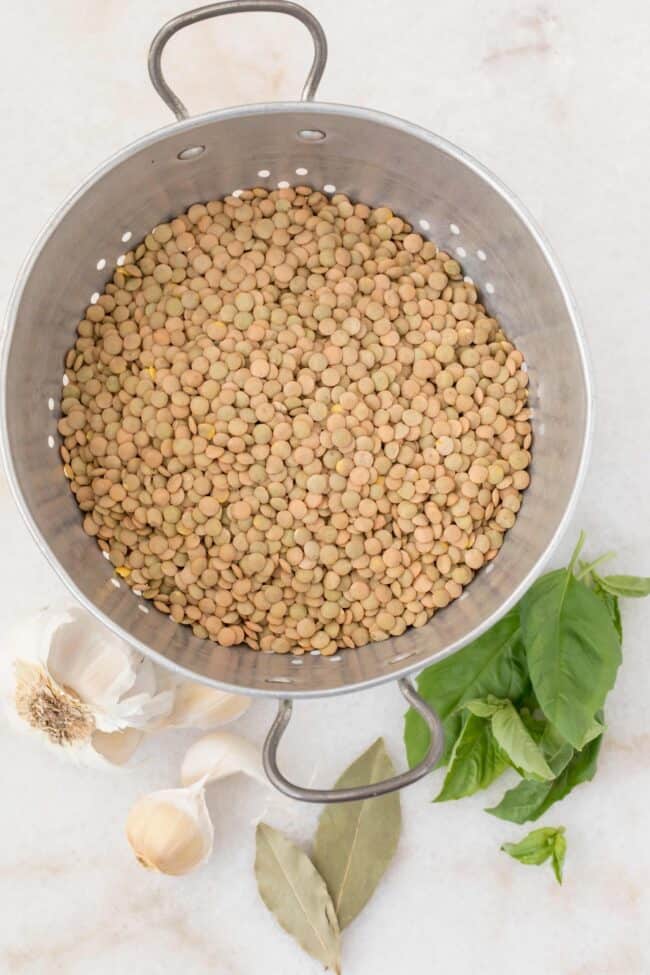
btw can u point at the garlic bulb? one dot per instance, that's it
(170, 831)
(80, 689)
(199, 706)
(218, 755)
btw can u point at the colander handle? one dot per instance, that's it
(270, 757)
(235, 7)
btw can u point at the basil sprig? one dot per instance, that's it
(529, 693)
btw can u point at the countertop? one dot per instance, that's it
(553, 97)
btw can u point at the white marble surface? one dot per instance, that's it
(553, 97)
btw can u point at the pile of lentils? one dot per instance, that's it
(291, 423)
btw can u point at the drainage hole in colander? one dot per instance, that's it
(482, 256)
(489, 287)
(311, 135)
(94, 298)
(329, 188)
(50, 404)
(50, 441)
(301, 171)
(335, 659)
(192, 152)
(237, 193)
(455, 229)
(314, 653)
(126, 236)
(279, 680)
(121, 259)
(143, 609)
(114, 582)
(468, 280)
(461, 252)
(65, 380)
(424, 224)
(263, 173)
(297, 663)
(401, 656)
(101, 264)
(283, 185)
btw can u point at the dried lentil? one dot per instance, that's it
(288, 422)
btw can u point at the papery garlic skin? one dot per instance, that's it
(171, 831)
(81, 690)
(220, 754)
(203, 707)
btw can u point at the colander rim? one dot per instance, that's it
(316, 109)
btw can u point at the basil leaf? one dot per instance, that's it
(512, 736)
(540, 846)
(495, 663)
(594, 730)
(629, 587)
(535, 848)
(557, 751)
(536, 726)
(475, 761)
(559, 853)
(611, 604)
(530, 800)
(484, 707)
(573, 651)
(514, 739)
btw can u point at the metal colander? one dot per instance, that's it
(373, 158)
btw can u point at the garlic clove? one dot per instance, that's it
(116, 747)
(171, 831)
(218, 755)
(88, 659)
(199, 706)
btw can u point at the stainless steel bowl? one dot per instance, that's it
(374, 158)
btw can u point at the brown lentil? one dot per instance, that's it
(289, 422)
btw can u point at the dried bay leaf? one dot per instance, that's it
(356, 841)
(297, 896)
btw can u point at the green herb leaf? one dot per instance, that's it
(530, 800)
(540, 846)
(512, 735)
(535, 848)
(594, 730)
(475, 761)
(629, 587)
(356, 841)
(611, 604)
(559, 853)
(484, 707)
(514, 739)
(296, 894)
(557, 751)
(573, 651)
(495, 663)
